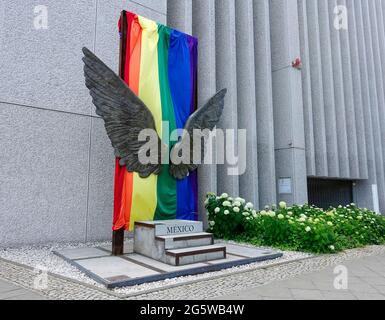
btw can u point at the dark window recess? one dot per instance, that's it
(326, 193)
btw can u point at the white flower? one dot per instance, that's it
(212, 223)
(241, 200)
(307, 229)
(290, 213)
(249, 205)
(246, 214)
(302, 219)
(226, 212)
(332, 248)
(217, 210)
(271, 214)
(224, 195)
(330, 223)
(282, 204)
(236, 204)
(236, 209)
(226, 204)
(207, 201)
(281, 216)
(359, 217)
(263, 213)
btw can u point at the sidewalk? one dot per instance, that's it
(366, 281)
(9, 291)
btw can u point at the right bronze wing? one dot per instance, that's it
(124, 114)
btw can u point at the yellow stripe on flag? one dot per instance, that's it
(144, 197)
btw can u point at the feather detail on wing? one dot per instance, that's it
(202, 121)
(124, 115)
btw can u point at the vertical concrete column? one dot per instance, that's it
(379, 80)
(349, 101)
(247, 118)
(339, 97)
(381, 36)
(333, 153)
(306, 88)
(363, 17)
(204, 29)
(287, 101)
(321, 163)
(349, 37)
(264, 104)
(363, 190)
(226, 73)
(179, 15)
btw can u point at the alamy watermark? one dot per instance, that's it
(340, 18)
(40, 20)
(40, 281)
(202, 147)
(341, 279)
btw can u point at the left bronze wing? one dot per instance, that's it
(124, 115)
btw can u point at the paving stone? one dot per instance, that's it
(83, 253)
(369, 296)
(338, 295)
(6, 286)
(108, 267)
(302, 294)
(12, 293)
(160, 265)
(27, 296)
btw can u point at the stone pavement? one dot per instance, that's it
(10, 291)
(365, 281)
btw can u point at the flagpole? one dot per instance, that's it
(118, 235)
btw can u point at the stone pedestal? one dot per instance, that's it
(176, 242)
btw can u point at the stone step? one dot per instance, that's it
(171, 227)
(186, 240)
(180, 257)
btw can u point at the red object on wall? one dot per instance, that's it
(297, 63)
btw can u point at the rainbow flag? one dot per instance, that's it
(160, 65)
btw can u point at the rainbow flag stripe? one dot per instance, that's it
(160, 65)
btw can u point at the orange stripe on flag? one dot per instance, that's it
(133, 59)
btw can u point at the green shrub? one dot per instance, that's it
(302, 228)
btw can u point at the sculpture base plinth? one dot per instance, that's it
(176, 242)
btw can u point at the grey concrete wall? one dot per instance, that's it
(327, 120)
(57, 166)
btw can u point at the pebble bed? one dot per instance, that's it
(42, 257)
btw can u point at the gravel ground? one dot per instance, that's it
(223, 283)
(42, 257)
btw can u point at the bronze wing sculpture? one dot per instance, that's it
(125, 116)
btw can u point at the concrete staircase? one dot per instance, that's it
(176, 242)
